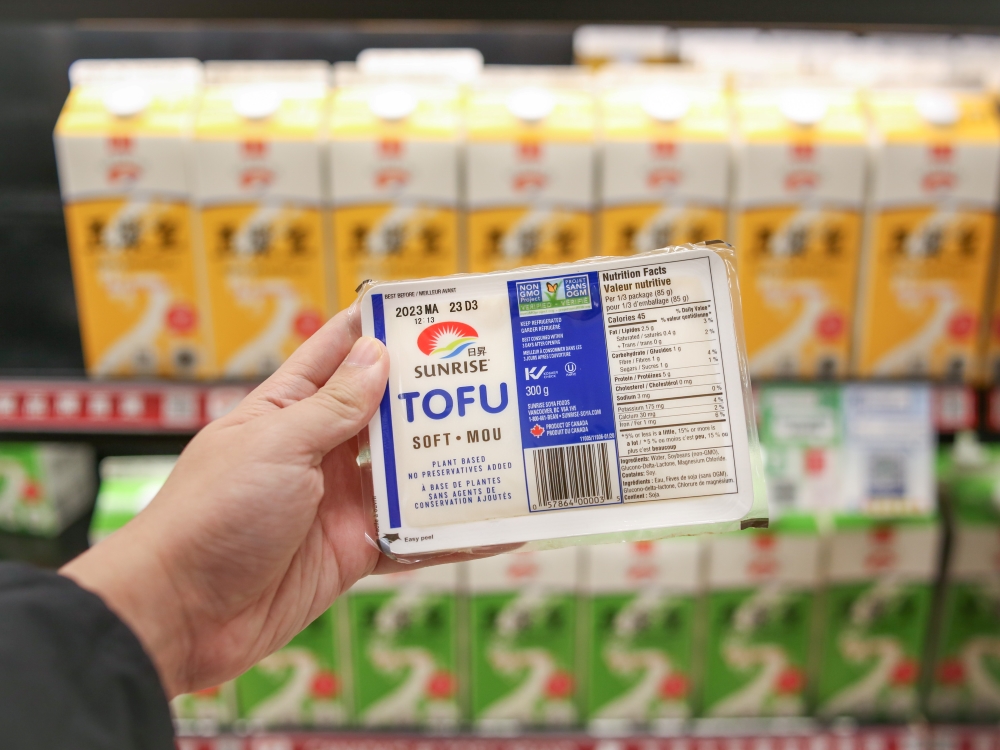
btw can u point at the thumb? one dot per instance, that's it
(345, 404)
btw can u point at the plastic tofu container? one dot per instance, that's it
(597, 401)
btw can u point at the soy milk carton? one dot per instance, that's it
(877, 599)
(404, 648)
(664, 175)
(122, 144)
(641, 606)
(206, 711)
(128, 485)
(965, 682)
(259, 186)
(937, 162)
(801, 160)
(761, 594)
(802, 436)
(395, 146)
(529, 176)
(523, 639)
(44, 487)
(300, 684)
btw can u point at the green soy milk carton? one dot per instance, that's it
(404, 644)
(801, 433)
(640, 603)
(523, 639)
(299, 685)
(44, 487)
(965, 684)
(205, 711)
(128, 484)
(879, 587)
(760, 608)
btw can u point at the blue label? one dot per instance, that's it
(561, 362)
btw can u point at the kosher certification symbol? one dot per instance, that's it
(570, 368)
(537, 430)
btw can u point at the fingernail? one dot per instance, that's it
(365, 352)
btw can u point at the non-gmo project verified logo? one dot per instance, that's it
(559, 295)
(446, 339)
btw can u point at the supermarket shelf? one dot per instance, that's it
(913, 737)
(77, 406)
(81, 406)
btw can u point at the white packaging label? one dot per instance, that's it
(792, 174)
(548, 570)
(889, 444)
(905, 554)
(959, 176)
(751, 560)
(97, 166)
(690, 172)
(238, 171)
(975, 552)
(666, 565)
(394, 171)
(559, 175)
(548, 403)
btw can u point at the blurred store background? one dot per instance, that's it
(186, 197)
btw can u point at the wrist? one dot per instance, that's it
(135, 584)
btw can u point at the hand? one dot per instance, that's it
(261, 524)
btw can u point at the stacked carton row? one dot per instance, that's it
(219, 213)
(829, 612)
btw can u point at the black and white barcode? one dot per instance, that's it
(572, 473)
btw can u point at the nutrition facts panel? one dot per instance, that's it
(667, 378)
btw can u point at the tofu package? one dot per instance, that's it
(599, 401)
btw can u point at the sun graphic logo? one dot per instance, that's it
(446, 339)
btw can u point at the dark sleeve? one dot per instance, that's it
(72, 675)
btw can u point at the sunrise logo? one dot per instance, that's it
(446, 339)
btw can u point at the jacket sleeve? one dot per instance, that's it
(72, 675)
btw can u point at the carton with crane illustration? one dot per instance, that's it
(664, 177)
(760, 605)
(798, 203)
(640, 603)
(395, 145)
(122, 147)
(930, 234)
(44, 487)
(205, 712)
(404, 649)
(965, 682)
(879, 584)
(259, 185)
(529, 176)
(299, 685)
(523, 639)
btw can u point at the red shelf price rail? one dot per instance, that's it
(96, 407)
(914, 737)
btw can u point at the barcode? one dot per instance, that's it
(572, 475)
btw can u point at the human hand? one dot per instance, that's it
(261, 524)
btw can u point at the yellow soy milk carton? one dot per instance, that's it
(930, 237)
(801, 169)
(529, 176)
(259, 178)
(665, 148)
(395, 146)
(121, 146)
